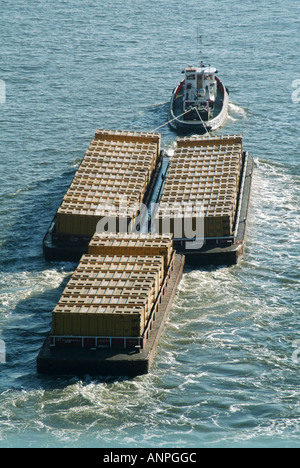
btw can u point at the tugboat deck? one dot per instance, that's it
(178, 105)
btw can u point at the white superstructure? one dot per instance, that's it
(200, 88)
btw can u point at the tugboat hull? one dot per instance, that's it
(178, 122)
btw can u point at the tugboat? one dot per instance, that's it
(199, 104)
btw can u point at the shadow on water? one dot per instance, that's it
(27, 298)
(34, 210)
(33, 286)
(24, 334)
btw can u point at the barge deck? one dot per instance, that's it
(83, 345)
(226, 252)
(70, 248)
(215, 251)
(114, 361)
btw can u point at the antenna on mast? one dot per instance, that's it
(199, 38)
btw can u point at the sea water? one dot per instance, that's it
(226, 372)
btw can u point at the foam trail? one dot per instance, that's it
(236, 110)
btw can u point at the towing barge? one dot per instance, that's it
(112, 312)
(214, 174)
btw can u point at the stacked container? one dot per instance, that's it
(133, 244)
(203, 182)
(110, 183)
(109, 296)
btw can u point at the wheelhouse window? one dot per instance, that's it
(191, 77)
(199, 81)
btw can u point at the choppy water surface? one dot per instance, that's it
(226, 371)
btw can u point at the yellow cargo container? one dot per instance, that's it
(83, 222)
(88, 260)
(98, 321)
(205, 170)
(132, 244)
(149, 276)
(191, 142)
(130, 137)
(117, 165)
(109, 295)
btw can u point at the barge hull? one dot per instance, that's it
(71, 248)
(112, 361)
(226, 255)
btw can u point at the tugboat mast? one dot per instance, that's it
(199, 38)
